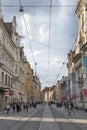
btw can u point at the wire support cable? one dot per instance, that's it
(40, 6)
(49, 38)
(64, 63)
(27, 34)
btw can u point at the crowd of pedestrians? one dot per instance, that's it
(17, 106)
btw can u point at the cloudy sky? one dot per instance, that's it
(49, 28)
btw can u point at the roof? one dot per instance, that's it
(8, 27)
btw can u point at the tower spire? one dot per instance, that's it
(0, 10)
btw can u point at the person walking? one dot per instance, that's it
(8, 108)
(72, 108)
(14, 107)
(63, 106)
(68, 108)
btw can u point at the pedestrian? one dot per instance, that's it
(63, 106)
(75, 106)
(14, 107)
(69, 108)
(8, 108)
(26, 106)
(72, 108)
(18, 107)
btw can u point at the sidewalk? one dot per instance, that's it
(77, 113)
(48, 122)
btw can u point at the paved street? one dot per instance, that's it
(43, 118)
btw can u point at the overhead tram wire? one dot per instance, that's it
(40, 6)
(64, 63)
(68, 37)
(21, 10)
(49, 39)
(29, 38)
(49, 29)
(45, 46)
(62, 68)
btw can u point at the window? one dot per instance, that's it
(6, 79)
(81, 96)
(16, 69)
(2, 78)
(16, 55)
(9, 81)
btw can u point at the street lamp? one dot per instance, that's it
(21, 9)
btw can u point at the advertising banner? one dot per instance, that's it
(84, 64)
(85, 88)
(85, 76)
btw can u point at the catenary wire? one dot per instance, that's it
(49, 40)
(39, 6)
(46, 46)
(27, 34)
(64, 63)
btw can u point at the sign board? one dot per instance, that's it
(84, 64)
(6, 94)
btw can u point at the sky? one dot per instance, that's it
(49, 29)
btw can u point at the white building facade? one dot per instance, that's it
(80, 59)
(11, 64)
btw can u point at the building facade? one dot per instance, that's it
(77, 65)
(11, 63)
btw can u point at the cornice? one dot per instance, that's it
(77, 57)
(84, 47)
(80, 4)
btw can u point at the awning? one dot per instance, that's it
(85, 92)
(73, 96)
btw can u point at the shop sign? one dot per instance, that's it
(6, 94)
